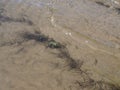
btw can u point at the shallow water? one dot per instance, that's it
(89, 31)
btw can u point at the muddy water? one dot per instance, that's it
(90, 32)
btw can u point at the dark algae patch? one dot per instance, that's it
(102, 4)
(117, 10)
(20, 20)
(37, 37)
(4, 18)
(96, 85)
(72, 63)
(41, 38)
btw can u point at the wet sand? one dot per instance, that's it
(87, 33)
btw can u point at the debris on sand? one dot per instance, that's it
(54, 44)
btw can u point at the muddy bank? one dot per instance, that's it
(59, 45)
